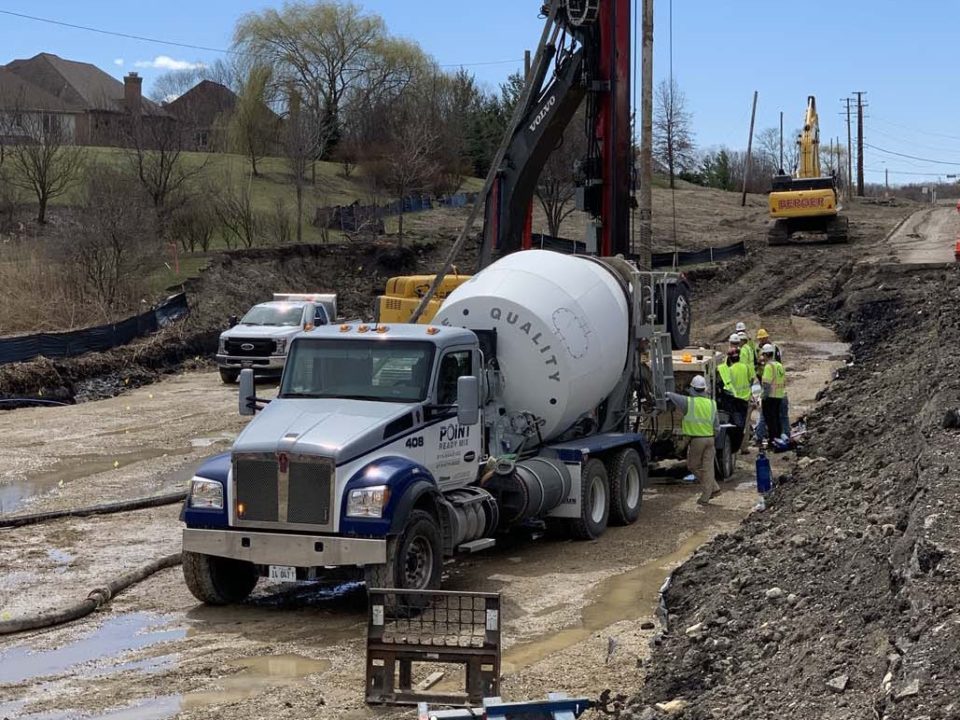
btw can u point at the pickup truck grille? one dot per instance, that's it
(300, 498)
(258, 347)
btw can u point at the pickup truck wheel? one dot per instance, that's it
(218, 581)
(229, 376)
(594, 502)
(627, 477)
(413, 562)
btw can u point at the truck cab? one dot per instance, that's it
(260, 339)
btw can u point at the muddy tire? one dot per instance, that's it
(229, 376)
(414, 560)
(218, 581)
(628, 474)
(594, 503)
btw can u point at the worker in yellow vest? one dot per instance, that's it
(748, 351)
(736, 395)
(774, 381)
(701, 425)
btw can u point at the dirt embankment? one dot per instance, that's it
(841, 600)
(229, 286)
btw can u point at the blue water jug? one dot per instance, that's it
(764, 476)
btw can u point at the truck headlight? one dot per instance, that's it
(222, 347)
(368, 502)
(281, 346)
(206, 494)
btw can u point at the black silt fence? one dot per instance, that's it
(94, 339)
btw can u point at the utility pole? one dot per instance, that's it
(886, 179)
(839, 167)
(644, 258)
(526, 64)
(849, 153)
(859, 95)
(746, 170)
(780, 168)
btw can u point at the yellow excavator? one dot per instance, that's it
(806, 202)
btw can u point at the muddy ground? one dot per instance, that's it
(578, 617)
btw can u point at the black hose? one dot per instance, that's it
(97, 598)
(117, 507)
(35, 401)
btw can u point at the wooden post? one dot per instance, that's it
(644, 257)
(781, 168)
(746, 169)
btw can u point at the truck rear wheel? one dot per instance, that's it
(229, 376)
(218, 581)
(679, 315)
(414, 560)
(594, 502)
(627, 477)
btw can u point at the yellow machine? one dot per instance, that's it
(807, 201)
(403, 294)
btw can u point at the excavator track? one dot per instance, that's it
(828, 231)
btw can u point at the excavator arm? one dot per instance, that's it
(808, 165)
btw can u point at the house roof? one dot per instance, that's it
(16, 93)
(203, 103)
(79, 86)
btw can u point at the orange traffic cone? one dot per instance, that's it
(956, 250)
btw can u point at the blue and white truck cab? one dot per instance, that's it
(389, 448)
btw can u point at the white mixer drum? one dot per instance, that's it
(562, 327)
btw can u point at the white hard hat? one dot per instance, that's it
(743, 336)
(768, 349)
(741, 327)
(735, 339)
(698, 382)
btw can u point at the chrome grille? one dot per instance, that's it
(299, 499)
(256, 483)
(309, 496)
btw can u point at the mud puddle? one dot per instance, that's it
(89, 655)
(14, 493)
(627, 596)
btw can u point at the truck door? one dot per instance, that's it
(452, 451)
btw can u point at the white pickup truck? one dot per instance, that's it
(261, 338)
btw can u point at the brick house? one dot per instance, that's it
(93, 107)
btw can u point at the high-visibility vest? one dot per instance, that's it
(748, 356)
(775, 376)
(724, 372)
(699, 418)
(740, 380)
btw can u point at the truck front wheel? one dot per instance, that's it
(218, 581)
(413, 560)
(627, 477)
(594, 502)
(229, 376)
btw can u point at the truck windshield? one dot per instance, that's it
(358, 370)
(279, 315)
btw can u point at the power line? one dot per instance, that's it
(912, 129)
(903, 172)
(190, 46)
(911, 157)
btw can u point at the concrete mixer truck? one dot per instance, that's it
(391, 447)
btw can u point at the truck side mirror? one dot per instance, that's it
(248, 392)
(232, 321)
(468, 400)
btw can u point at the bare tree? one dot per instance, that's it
(768, 148)
(194, 223)
(304, 140)
(556, 188)
(44, 160)
(174, 83)
(114, 241)
(253, 124)
(236, 215)
(672, 130)
(154, 154)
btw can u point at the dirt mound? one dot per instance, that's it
(840, 600)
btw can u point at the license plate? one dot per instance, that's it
(283, 573)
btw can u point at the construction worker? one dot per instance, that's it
(748, 349)
(774, 381)
(763, 337)
(701, 425)
(739, 402)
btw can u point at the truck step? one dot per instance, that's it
(477, 545)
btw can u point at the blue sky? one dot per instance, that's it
(902, 53)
